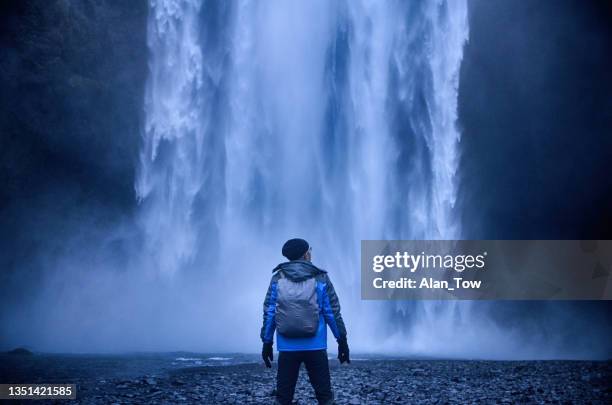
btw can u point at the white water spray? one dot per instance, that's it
(332, 121)
(175, 121)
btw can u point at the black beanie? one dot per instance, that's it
(294, 249)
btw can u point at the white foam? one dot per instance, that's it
(187, 359)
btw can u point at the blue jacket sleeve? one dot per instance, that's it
(269, 313)
(331, 310)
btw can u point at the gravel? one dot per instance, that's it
(364, 382)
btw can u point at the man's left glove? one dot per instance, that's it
(267, 354)
(343, 350)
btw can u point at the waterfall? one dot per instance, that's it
(172, 155)
(331, 121)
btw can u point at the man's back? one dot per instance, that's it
(329, 307)
(304, 339)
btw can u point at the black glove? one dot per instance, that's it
(267, 354)
(343, 350)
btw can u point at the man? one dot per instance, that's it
(301, 330)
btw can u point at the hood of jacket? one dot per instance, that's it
(298, 270)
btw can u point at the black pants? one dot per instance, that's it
(318, 374)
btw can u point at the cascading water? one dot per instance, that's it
(172, 158)
(332, 121)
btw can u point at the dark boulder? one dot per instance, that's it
(20, 351)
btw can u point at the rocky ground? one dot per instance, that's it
(362, 382)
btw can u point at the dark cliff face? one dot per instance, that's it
(535, 111)
(72, 78)
(535, 108)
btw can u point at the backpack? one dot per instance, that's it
(297, 307)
